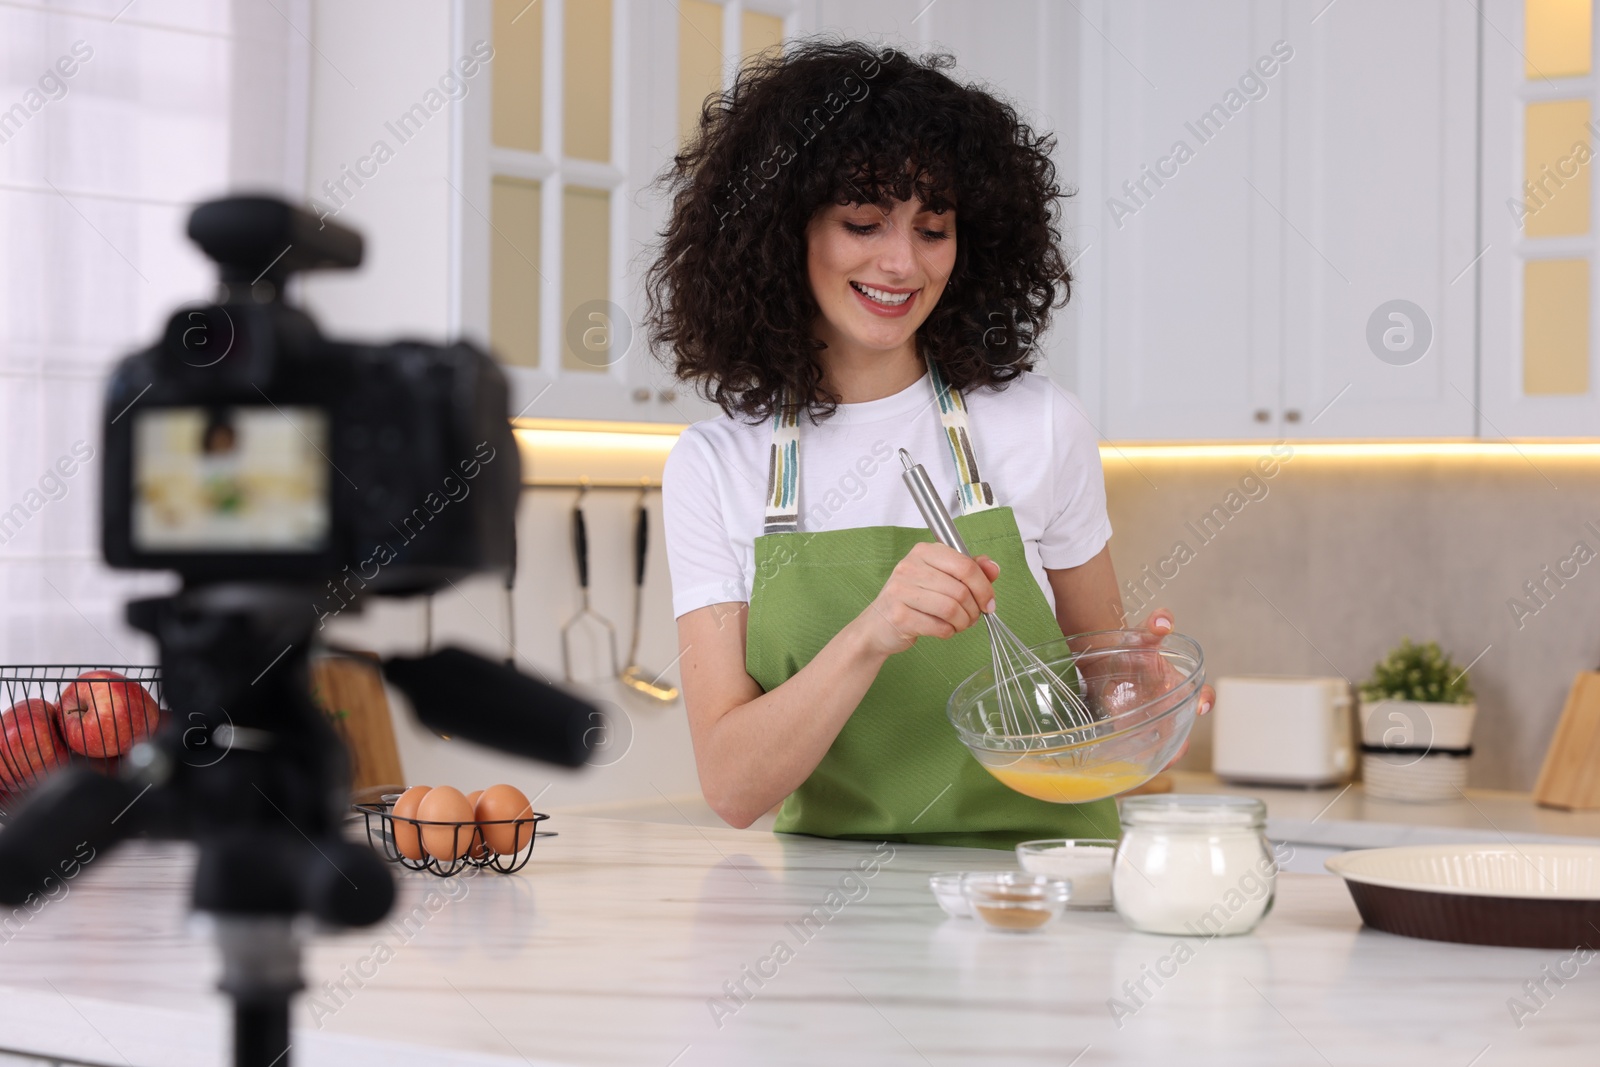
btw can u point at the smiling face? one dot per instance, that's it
(877, 272)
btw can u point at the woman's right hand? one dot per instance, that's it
(934, 591)
(754, 748)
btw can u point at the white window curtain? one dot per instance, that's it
(115, 118)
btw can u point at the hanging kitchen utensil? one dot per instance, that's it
(634, 676)
(580, 548)
(511, 598)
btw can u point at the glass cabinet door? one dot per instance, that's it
(588, 101)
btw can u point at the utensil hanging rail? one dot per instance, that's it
(579, 483)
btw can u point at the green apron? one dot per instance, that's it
(897, 771)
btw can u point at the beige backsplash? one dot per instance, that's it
(1323, 566)
(653, 755)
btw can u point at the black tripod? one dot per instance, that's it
(247, 767)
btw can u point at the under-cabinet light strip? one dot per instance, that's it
(572, 434)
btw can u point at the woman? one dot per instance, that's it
(860, 255)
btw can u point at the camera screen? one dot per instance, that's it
(239, 479)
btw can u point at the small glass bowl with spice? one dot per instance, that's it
(1014, 901)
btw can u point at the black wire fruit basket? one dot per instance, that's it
(56, 714)
(466, 842)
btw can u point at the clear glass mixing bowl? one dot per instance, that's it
(1142, 691)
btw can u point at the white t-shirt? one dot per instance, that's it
(1033, 444)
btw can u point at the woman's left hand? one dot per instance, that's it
(1160, 623)
(1087, 600)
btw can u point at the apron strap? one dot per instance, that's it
(975, 492)
(783, 470)
(783, 458)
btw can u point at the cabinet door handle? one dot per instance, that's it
(1263, 415)
(1292, 415)
(641, 395)
(667, 396)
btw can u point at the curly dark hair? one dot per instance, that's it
(836, 122)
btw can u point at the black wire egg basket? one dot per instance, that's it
(467, 842)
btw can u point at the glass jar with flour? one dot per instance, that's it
(1193, 865)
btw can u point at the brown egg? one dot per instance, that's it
(405, 833)
(446, 805)
(501, 804)
(479, 848)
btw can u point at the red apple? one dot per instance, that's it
(30, 747)
(106, 718)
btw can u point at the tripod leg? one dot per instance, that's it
(261, 972)
(261, 1034)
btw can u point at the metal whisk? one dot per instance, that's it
(1030, 697)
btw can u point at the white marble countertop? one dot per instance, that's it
(614, 946)
(1321, 821)
(1345, 817)
(1340, 816)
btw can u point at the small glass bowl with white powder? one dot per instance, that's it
(1193, 865)
(946, 886)
(1083, 861)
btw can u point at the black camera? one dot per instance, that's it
(246, 445)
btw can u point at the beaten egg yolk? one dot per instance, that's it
(1069, 785)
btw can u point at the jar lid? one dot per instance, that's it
(1199, 811)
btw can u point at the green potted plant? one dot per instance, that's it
(1416, 712)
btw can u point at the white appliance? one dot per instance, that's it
(1283, 731)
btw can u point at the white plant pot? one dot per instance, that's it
(1416, 723)
(1426, 749)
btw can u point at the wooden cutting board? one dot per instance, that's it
(350, 690)
(1570, 779)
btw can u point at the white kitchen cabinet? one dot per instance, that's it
(624, 381)
(627, 106)
(1259, 177)
(1519, 398)
(1179, 272)
(1380, 144)
(406, 160)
